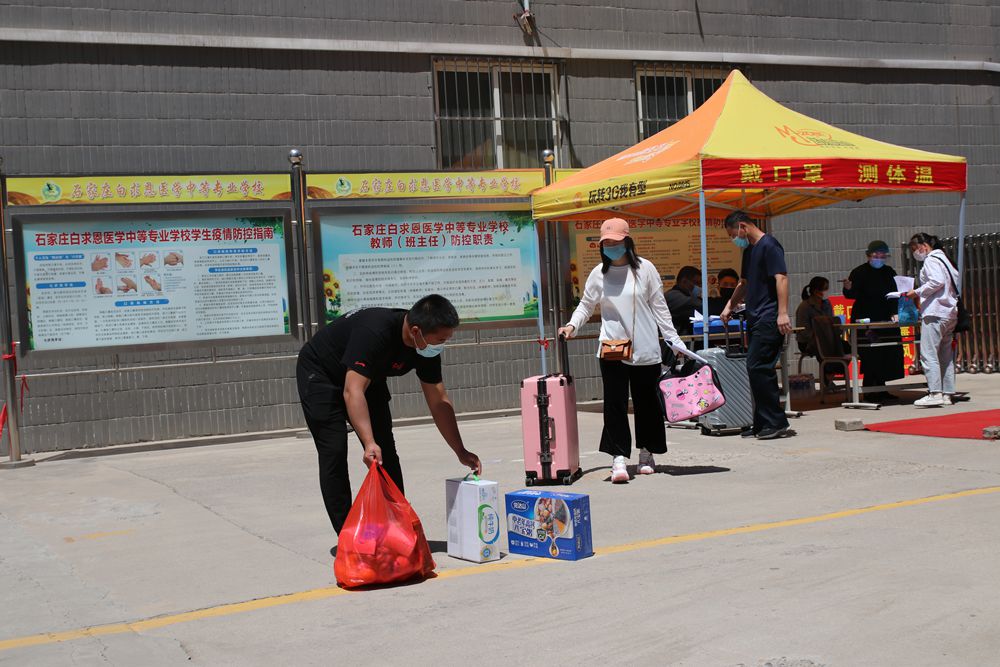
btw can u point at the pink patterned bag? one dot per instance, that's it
(690, 396)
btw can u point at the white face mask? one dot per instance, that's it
(429, 351)
(919, 255)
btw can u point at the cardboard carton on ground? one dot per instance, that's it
(474, 522)
(549, 524)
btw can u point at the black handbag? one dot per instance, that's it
(964, 321)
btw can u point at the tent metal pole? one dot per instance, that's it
(704, 270)
(961, 241)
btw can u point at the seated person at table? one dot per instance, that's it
(814, 304)
(684, 298)
(727, 281)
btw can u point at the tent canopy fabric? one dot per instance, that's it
(746, 151)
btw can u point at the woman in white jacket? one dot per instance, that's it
(630, 293)
(938, 295)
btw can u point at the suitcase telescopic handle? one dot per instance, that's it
(562, 345)
(742, 347)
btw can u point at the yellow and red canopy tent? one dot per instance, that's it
(742, 150)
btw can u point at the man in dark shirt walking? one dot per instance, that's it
(341, 376)
(764, 288)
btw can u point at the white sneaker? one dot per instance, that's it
(934, 400)
(946, 399)
(647, 466)
(619, 474)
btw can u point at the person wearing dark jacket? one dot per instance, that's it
(684, 298)
(867, 285)
(727, 280)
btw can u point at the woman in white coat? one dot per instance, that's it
(630, 293)
(938, 296)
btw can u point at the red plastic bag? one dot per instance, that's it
(382, 540)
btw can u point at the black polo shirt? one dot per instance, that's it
(762, 261)
(369, 342)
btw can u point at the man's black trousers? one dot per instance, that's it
(762, 357)
(326, 416)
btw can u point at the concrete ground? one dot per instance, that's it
(153, 558)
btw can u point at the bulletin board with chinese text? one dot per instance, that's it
(117, 281)
(485, 262)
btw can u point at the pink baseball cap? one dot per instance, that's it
(614, 229)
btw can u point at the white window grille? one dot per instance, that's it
(495, 114)
(667, 92)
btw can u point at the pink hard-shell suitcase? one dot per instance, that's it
(548, 425)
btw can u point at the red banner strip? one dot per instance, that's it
(834, 173)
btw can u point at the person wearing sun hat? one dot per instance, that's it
(867, 285)
(629, 291)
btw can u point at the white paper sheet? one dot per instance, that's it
(698, 317)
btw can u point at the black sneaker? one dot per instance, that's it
(747, 433)
(772, 433)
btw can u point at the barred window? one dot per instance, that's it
(494, 114)
(668, 92)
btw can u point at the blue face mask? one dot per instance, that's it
(876, 262)
(613, 252)
(696, 292)
(741, 242)
(429, 350)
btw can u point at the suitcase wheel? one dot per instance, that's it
(529, 481)
(567, 480)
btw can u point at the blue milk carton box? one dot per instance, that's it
(549, 524)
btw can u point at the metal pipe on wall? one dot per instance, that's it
(299, 194)
(9, 361)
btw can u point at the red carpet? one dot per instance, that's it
(965, 425)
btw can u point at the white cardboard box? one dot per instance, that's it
(474, 523)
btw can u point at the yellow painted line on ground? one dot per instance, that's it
(172, 619)
(756, 528)
(334, 591)
(97, 536)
